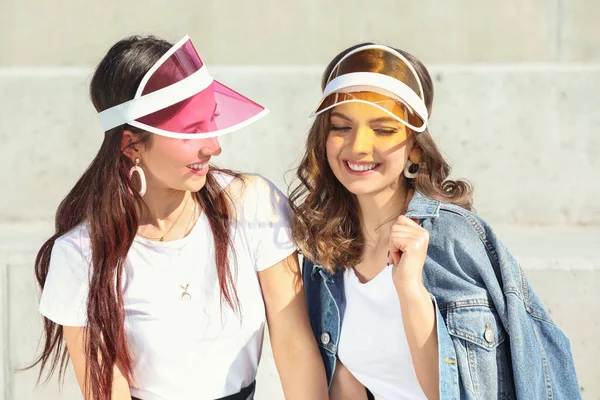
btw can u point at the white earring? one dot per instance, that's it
(140, 171)
(407, 168)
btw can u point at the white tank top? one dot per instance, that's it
(373, 343)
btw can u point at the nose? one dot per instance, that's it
(210, 147)
(362, 141)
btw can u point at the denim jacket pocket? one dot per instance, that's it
(477, 324)
(482, 350)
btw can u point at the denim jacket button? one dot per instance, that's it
(325, 338)
(489, 335)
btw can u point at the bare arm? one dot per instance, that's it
(74, 337)
(418, 316)
(408, 250)
(344, 386)
(295, 350)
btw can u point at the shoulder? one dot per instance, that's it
(248, 186)
(447, 222)
(65, 289)
(456, 222)
(458, 225)
(465, 251)
(256, 197)
(73, 246)
(459, 238)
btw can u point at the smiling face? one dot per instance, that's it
(367, 149)
(172, 164)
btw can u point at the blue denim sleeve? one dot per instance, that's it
(539, 349)
(541, 361)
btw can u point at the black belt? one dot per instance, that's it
(246, 393)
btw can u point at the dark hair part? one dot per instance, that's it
(327, 224)
(102, 198)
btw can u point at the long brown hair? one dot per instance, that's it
(102, 199)
(326, 216)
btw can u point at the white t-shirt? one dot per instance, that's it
(373, 343)
(184, 348)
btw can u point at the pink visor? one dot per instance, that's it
(178, 98)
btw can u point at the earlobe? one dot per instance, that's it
(416, 154)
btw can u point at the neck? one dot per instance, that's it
(167, 214)
(163, 205)
(379, 211)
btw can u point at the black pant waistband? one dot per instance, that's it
(246, 393)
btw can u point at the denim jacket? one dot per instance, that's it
(495, 339)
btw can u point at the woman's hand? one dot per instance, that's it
(408, 251)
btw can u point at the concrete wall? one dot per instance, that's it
(507, 128)
(517, 92)
(267, 32)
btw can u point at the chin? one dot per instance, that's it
(195, 186)
(361, 189)
(372, 187)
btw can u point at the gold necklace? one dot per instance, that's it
(162, 238)
(185, 295)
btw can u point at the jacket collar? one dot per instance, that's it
(423, 207)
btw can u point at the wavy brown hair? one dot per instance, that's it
(327, 225)
(102, 199)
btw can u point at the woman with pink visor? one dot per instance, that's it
(164, 269)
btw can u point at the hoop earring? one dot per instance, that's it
(407, 170)
(140, 171)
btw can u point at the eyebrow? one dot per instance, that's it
(340, 115)
(373, 121)
(384, 119)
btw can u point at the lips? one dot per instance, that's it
(199, 167)
(361, 167)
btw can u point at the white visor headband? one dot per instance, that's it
(178, 98)
(377, 83)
